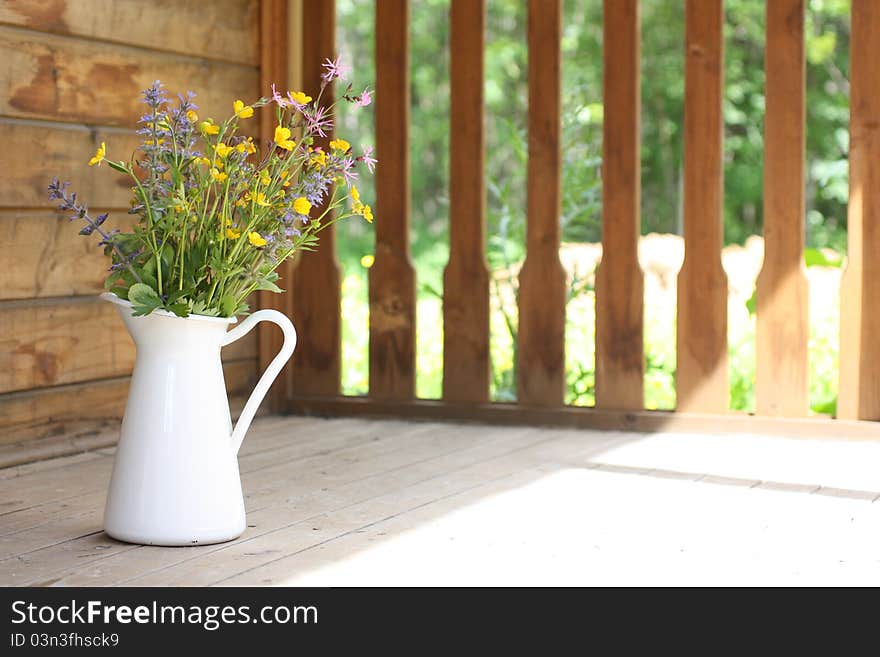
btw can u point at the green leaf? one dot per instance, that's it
(179, 309)
(752, 302)
(265, 284)
(817, 258)
(144, 299)
(117, 166)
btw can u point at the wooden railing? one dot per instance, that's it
(313, 382)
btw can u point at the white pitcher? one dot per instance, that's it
(175, 477)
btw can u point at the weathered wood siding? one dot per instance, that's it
(71, 75)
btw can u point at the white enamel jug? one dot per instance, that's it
(175, 477)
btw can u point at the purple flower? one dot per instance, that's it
(368, 159)
(318, 121)
(334, 69)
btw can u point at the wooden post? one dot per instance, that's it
(315, 283)
(274, 35)
(701, 375)
(392, 280)
(466, 366)
(620, 354)
(541, 349)
(859, 396)
(782, 381)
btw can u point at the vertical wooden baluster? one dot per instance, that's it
(541, 349)
(315, 281)
(273, 69)
(392, 280)
(466, 367)
(859, 396)
(783, 296)
(701, 375)
(619, 281)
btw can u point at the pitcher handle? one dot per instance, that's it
(262, 387)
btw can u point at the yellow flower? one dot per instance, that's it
(241, 110)
(192, 116)
(222, 149)
(319, 159)
(153, 142)
(99, 155)
(205, 162)
(368, 213)
(282, 138)
(246, 146)
(300, 97)
(209, 128)
(264, 178)
(217, 175)
(340, 145)
(233, 234)
(367, 261)
(256, 239)
(355, 194)
(261, 200)
(302, 205)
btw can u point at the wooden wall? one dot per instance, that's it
(71, 75)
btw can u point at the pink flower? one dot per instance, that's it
(364, 99)
(278, 98)
(334, 69)
(368, 159)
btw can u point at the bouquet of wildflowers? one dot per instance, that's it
(216, 216)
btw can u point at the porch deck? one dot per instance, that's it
(351, 501)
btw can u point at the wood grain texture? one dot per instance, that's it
(64, 151)
(273, 48)
(392, 279)
(74, 80)
(859, 396)
(466, 364)
(225, 30)
(52, 342)
(315, 284)
(541, 348)
(45, 256)
(620, 359)
(701, 374)
(89, 407)
(783, 330)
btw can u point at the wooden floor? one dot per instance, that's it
(335, 502)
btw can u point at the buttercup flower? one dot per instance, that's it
(192, 116)
(319, 158)
(368, 213)
(209, 128)
(282, 138)
(233, 234)
(256, 239)
(299, 97)
(340, 145)
(302, 206)
(99, 155)
(241, 110)
(218, 175)
(223, 149)
(355, 194)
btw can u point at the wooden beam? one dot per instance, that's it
(860, 292)
(578, 417)
(466, 364)
(783, 331)
(392, 278)
(315, 280)
(541, 348)
(620, 357)
(701, 373)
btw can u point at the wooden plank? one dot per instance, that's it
(587, 418)
(316, 281)
(859, 396)
(542, 292)
(701, 372)
(74, 80)
(197, 29)
(273, 70)
(466, 364)
(46, 257)
(87, 408)
(57, 341)
(392, 279)
(64, 152)
(783, 330)
(620, 358)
